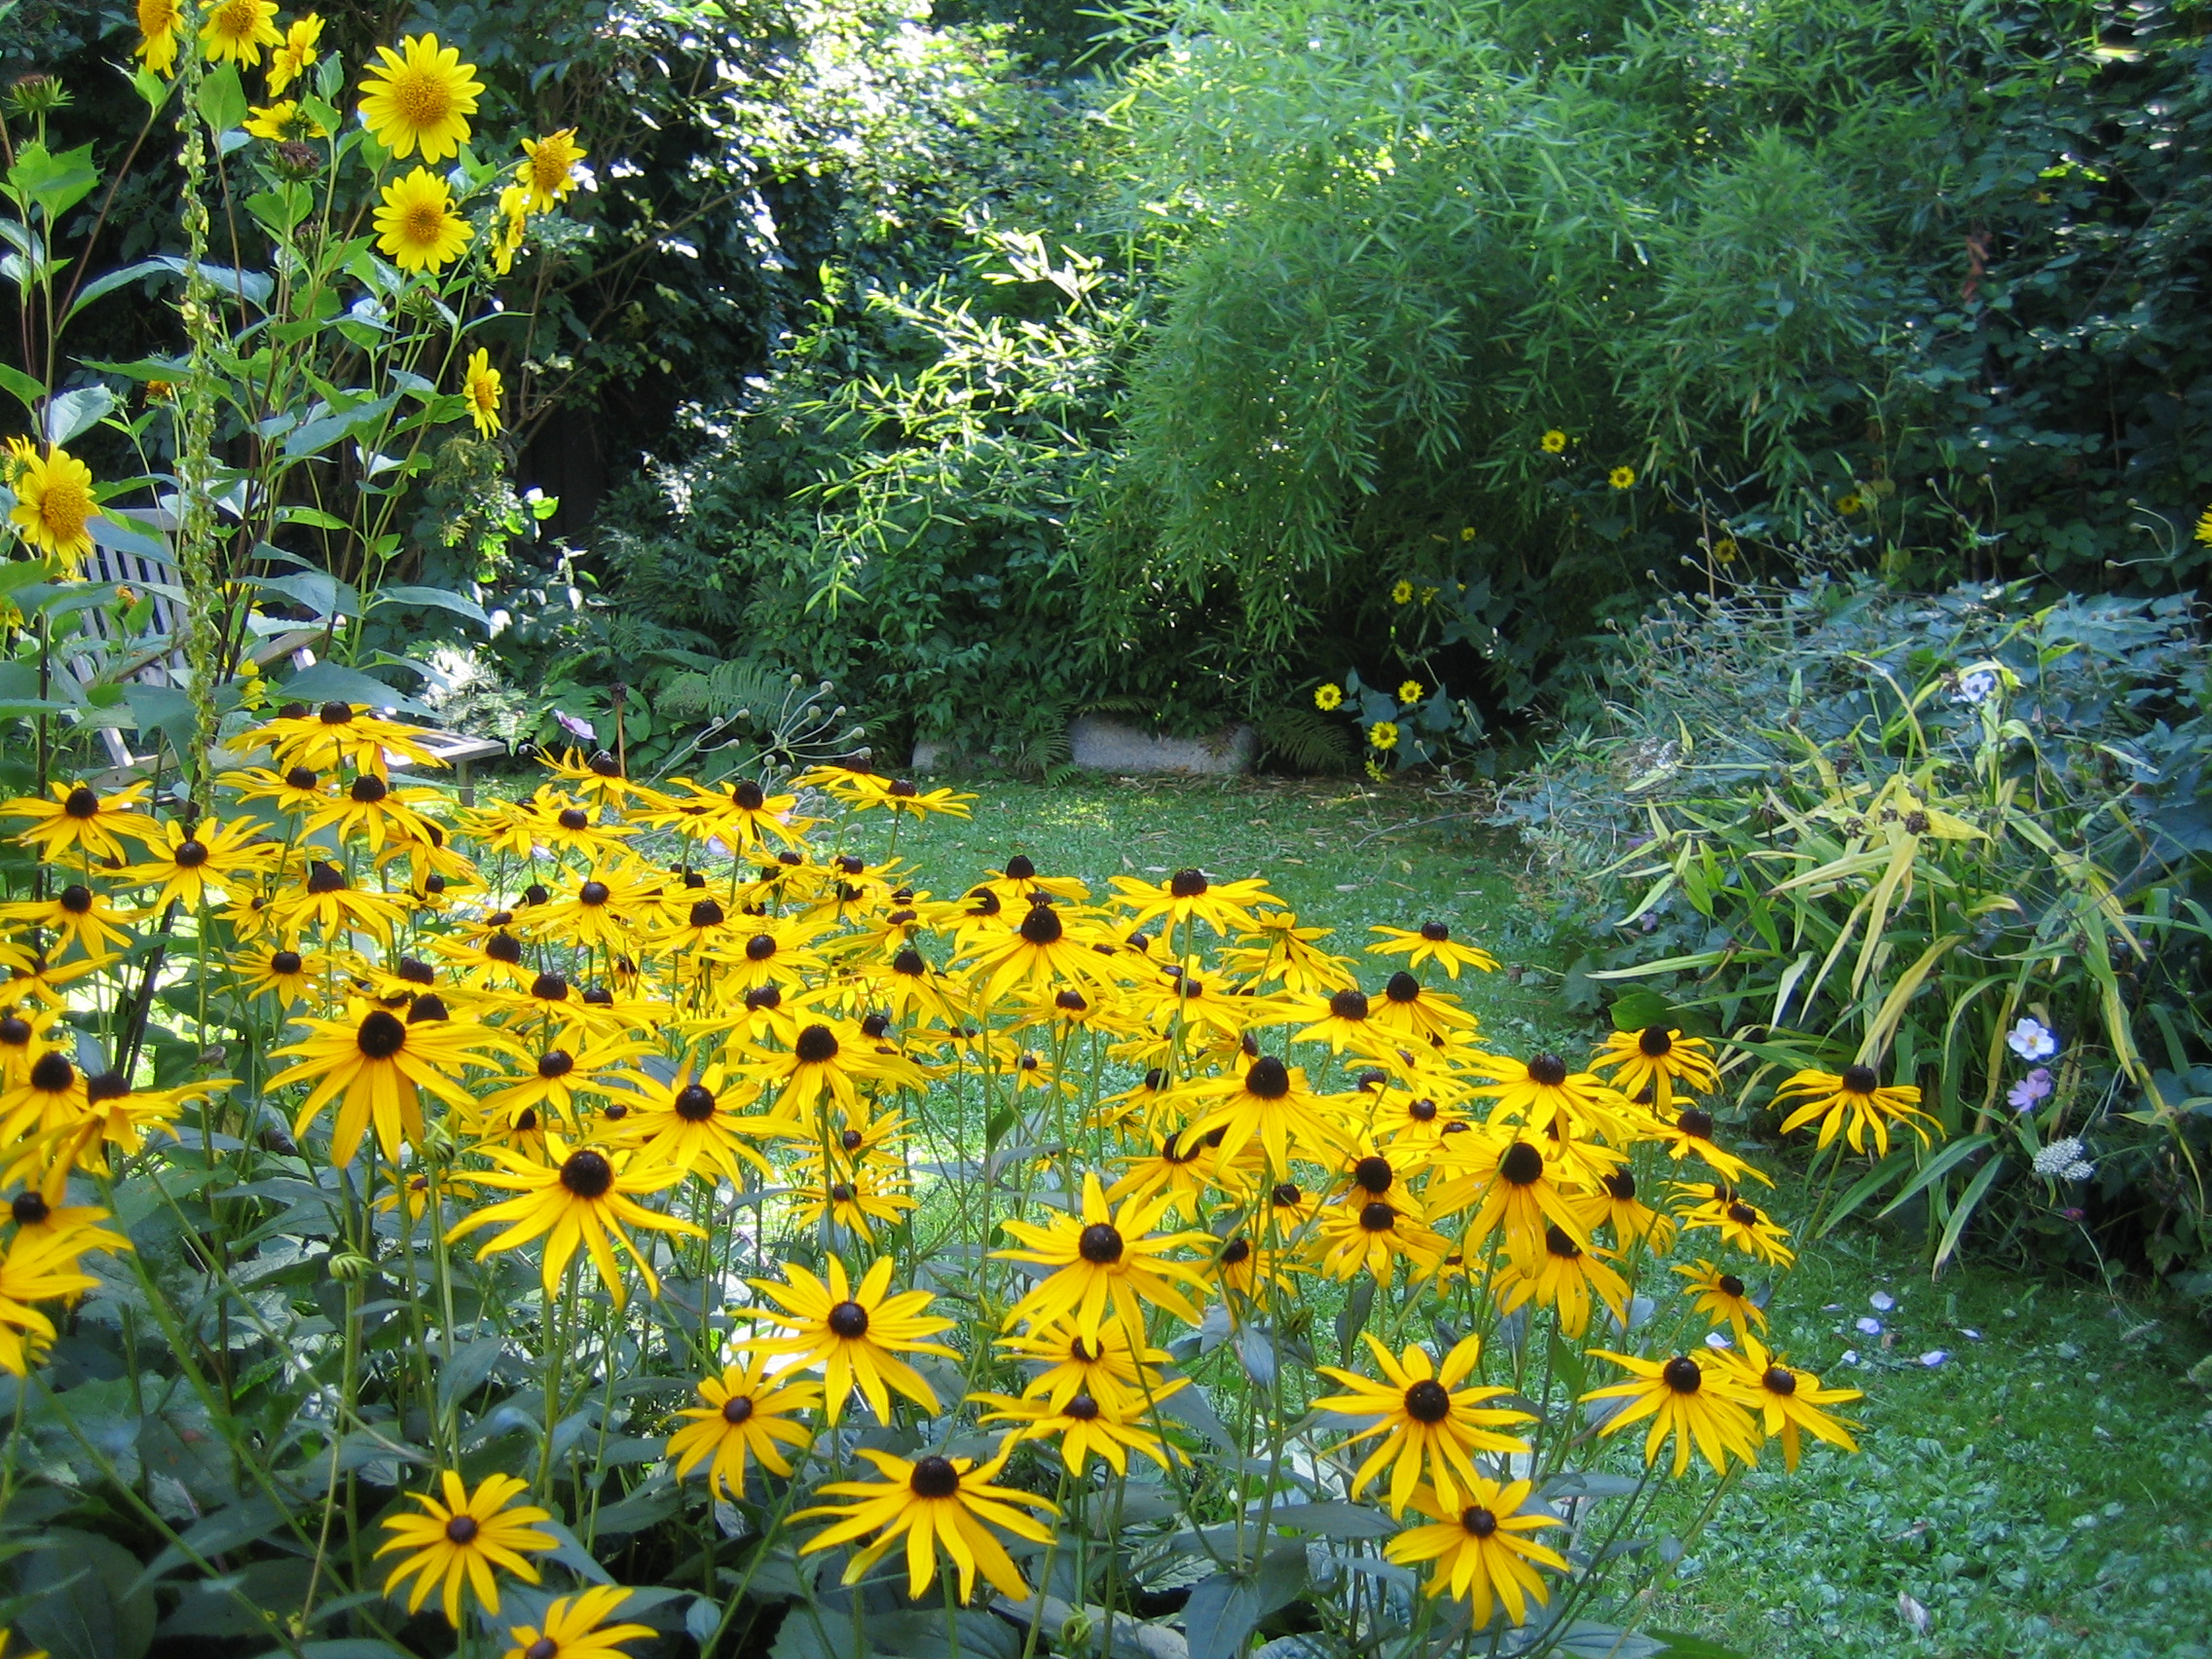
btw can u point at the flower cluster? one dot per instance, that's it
(619, 1030)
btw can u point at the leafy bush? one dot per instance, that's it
(1857, 827)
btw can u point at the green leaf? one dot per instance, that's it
(329, 682)
(75, 411)
(83, 1599)
(222, 99)
(28, 391)
(1673, 1646)
(52, 183)
(1639, 1008)
(434, 597)
(108, 281)
(1968, 1201)
(1933, 1169)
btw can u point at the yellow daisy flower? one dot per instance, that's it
(549, 173)
(931, 1501)
(54, 502)
(234, 31)
(160, 29)
(481, 388)
(463, 1540)
(420, 97)
(418, 225)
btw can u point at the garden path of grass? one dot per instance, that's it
(2046, 1488)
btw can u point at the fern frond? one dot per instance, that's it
(1305, 740)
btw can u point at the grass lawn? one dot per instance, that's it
(2045, 1488)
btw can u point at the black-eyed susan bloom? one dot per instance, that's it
(1191, 895)
(1723, 1298)
(79, 825)
(461, 1539)
(1652, 1064)
(1110, 1370)
(1853, 1102)
(1431, 942)
(1616, 1204)
(1271, 1104)
(1082, 1425)
(575, 1627)
(1741, 1224)
(1511, 1185)
(931, 1502)
(204, 859)
(37, 1268)
(1703, 1404)
(420, 97)
(1542, 1091)
(1482, 1549)
(1101, 1257)
(378, 1066)
(1428, 1418)
(1564, 1279)
(581, 1198)
(747, 1415)
(1376, 1236)
(1789, 1401)
(338, 734)
(855, 1332)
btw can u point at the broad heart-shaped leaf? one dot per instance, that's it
(1218, 1618)
(163, 709)
(73, 412)
(81, 1600)
(329, 682)
(54, 183)
(1634, 1010)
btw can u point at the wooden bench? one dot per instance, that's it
(131, 548)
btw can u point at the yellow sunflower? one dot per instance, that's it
(292, 59)
(234, 31)
(481, 388)
(1553, 442)
(160, 29)
(1622, 477)
(54, 502)
(419, 96)
(418, 225)
(549, 173)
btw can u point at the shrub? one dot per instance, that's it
(1962, 838)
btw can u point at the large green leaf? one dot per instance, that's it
(83, 1599)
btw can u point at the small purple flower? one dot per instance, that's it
(1882, 1301)
(2024, 1095)
(1935, 1358)
(1869, 1327)
(575, 726)
(2032, 1040)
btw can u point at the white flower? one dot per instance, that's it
(2032, 1040)
(2062, 1161)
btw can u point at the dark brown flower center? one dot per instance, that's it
(190, 854)
(1348, 1004)
(301, 779)
(1042, 926)
(1743, 1215)
(1436, 933)
(593, 893)
(764, 996)
(1100, 1244)
(1522, 1165)
(759, 947)
(326, 879)
(1549, 1070)
(1268, 1079)
(14, 1030)
(737, 1409)
(815, 1046)
(902, 790)
(1479, 1522)
(1697, 1125)
(76, 900)
(1428, 1401)
(82, 803)
(461, 1528)
(1682, 1375)
(1287, 1195)
(544, 1647)
(935, 1477)
(336, 714)
(503, 948)
(549, 987)
(1187, 883)
(1730, 1284)
(1083, 1408)
(28, 1208)
(380, 1036)
(1421, 1110)
(1378, 1217)
(749, 796)
(1559, 1244)
(910, 963)
(1402, 987)
(694, 1103)
(1654, 1040)
(706, 913)
(574, 817)
(1072, 1001)
(1859, 1080)
(428, 1006)
(55, 1075)
(852, 1140)
(368, 788)
(587, 1173)
(848, 1319)
(1235, 1252)
(1373, 1174)
(1779, 1379)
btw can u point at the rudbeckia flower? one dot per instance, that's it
(1482, 1550)
(37, 1268)
(1650, 1064)
(1789, 1400)
(1187, 895)
(377, 1066)
(1101, 1257)
(463, 1540)
(1564, 1278)
(1702, 1403)
(1428, 1420)
(1722, 1297)
(1082, 1425)
(1854, 1101)
(931, 1501)
(1271, 1104)
(195, 863)
(748, 1414)
(1431, 942)
(856, 1334)
(575, 1628)
(578, 1198)
(79, 821)
(1722, 1207)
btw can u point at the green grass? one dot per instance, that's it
(2044, 1490)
